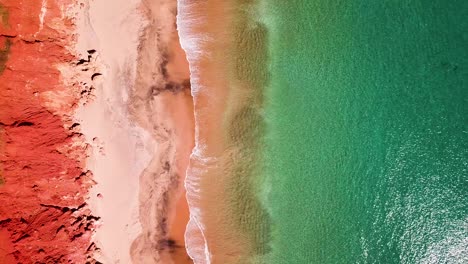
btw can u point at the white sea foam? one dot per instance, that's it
(196, 244)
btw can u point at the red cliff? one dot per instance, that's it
(43, 183)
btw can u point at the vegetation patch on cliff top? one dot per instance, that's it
(4, 15)
(4, 52)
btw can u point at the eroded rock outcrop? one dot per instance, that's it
(43, 182)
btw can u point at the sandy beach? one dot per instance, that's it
(161, 103)
(140, 127)
(119, 150)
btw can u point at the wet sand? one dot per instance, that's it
(161, 103)
(178, 69)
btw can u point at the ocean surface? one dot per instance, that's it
(349, 124)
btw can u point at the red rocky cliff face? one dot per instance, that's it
(43, 184)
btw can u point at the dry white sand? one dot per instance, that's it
(120, 149)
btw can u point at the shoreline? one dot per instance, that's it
(227, 53)
(206, 38)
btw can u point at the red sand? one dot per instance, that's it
(43, 214)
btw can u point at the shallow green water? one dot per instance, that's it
(367, 131)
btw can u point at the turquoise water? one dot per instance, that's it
(367, 131)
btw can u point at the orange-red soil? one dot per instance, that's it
(43, 184)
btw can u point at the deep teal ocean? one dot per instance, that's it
(366, 148)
